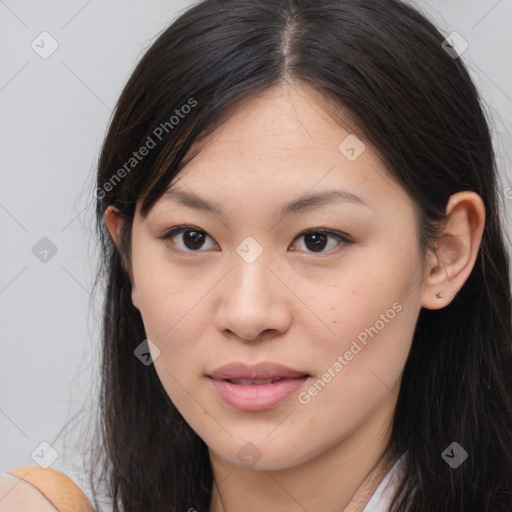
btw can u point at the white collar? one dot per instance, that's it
(381, 498)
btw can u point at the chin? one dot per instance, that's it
(262, 455)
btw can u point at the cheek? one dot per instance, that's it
(165, 294)
(372, 321)
(358, 372)
(172, 306)
(376, 335)
(367, 299)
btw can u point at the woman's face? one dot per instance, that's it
(311, 262)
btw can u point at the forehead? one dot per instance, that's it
(275, 148)
(284, 122)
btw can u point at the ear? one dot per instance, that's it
(456, 250)
(114, 223)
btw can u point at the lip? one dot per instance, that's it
(255, 397)
(263, 370)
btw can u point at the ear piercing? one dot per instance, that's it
(440, 295)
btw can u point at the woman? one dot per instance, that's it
(308, 299)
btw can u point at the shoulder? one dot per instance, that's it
(17, 495)
(32, 488)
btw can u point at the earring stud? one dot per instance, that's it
(440, 295)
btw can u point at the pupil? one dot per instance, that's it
(316, 239)
(195, 237)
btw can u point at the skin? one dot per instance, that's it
(291, 305)
(17, 495)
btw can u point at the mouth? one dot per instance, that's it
(259, 395)
(255, 382)
(238, 372)
(255, 390)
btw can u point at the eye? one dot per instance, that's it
(192, 241)
(315, 240)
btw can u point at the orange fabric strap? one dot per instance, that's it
(58, 488)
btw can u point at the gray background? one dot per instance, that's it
(53, 116)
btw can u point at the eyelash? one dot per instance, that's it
(340, 237)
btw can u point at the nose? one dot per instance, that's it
(254, 304)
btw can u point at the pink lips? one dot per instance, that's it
(242, 386)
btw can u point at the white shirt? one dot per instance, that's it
(381, 498)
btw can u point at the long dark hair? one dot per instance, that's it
(381, 66)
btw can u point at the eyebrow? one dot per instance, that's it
(295, 206)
